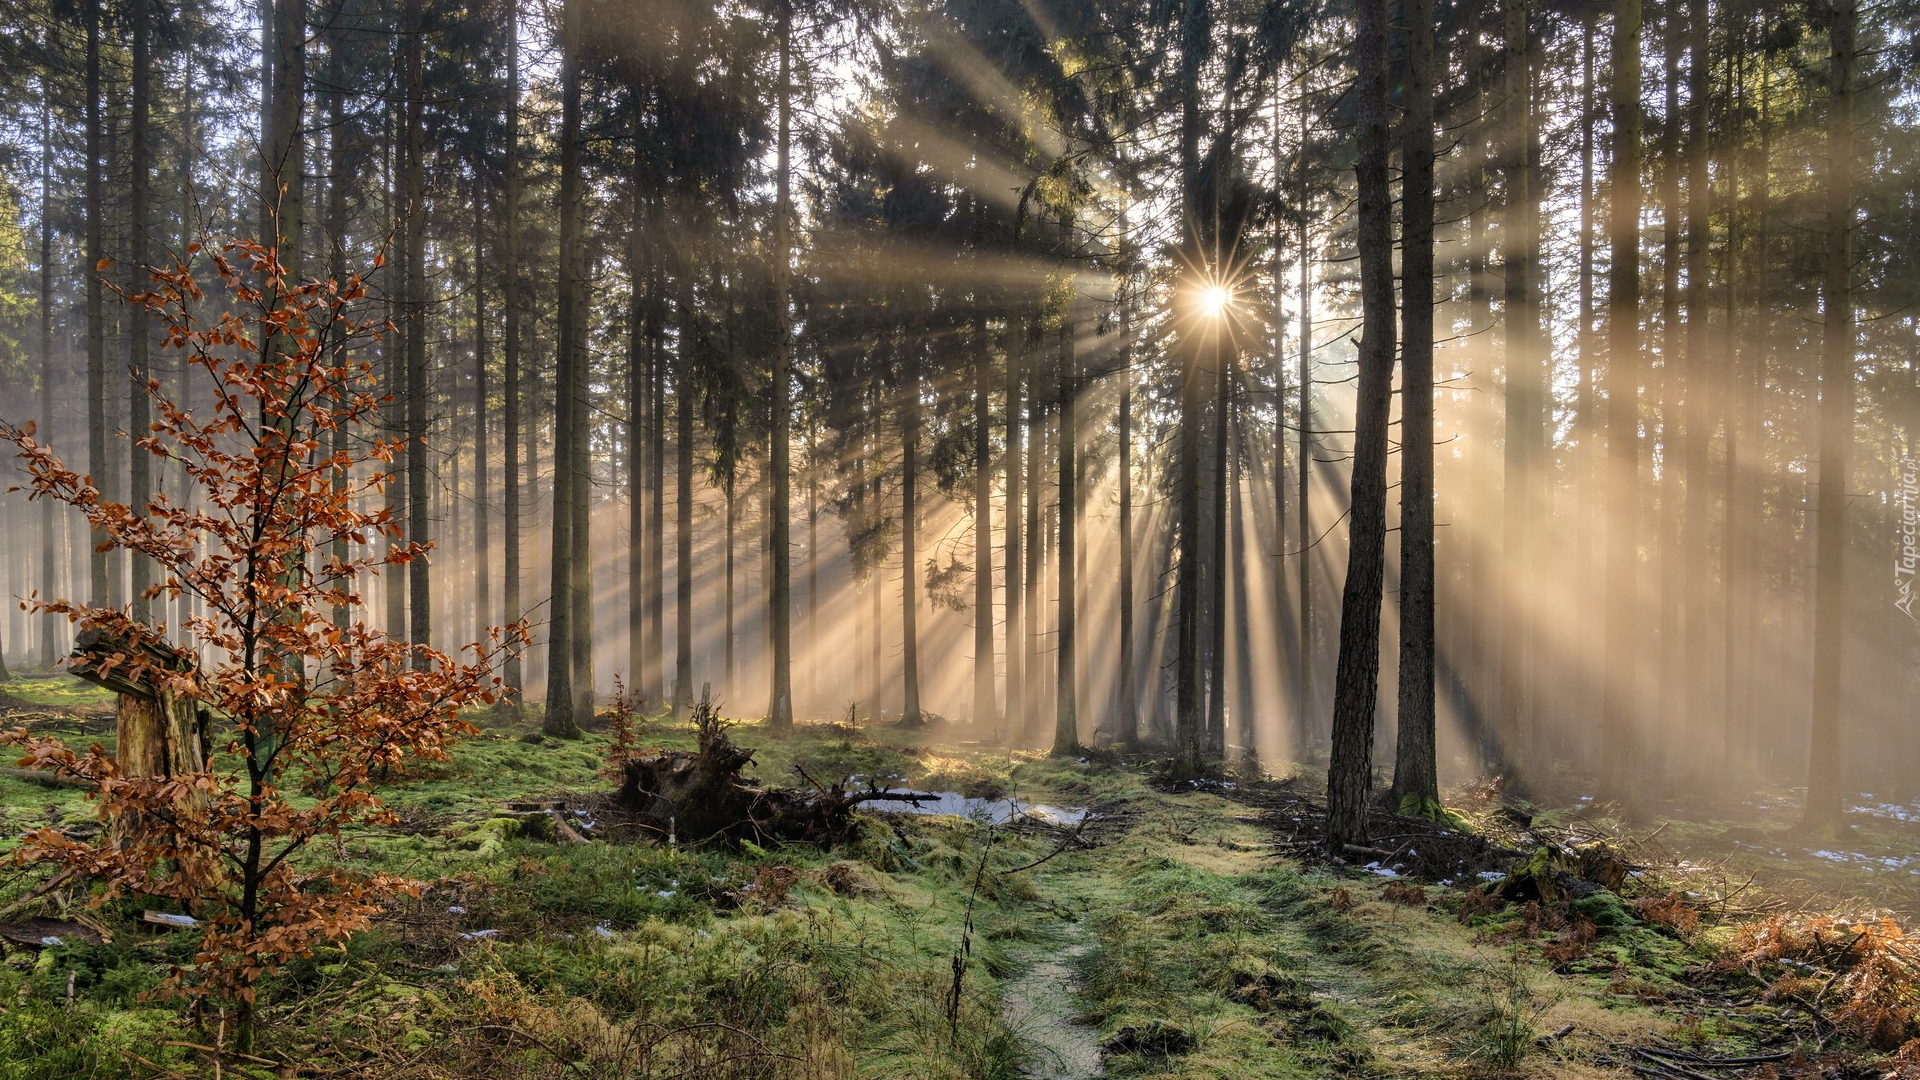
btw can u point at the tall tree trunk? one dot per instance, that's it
(1357, 676)
(639, 393)
(140, 463)
(1836, 429)
(510, 241)
(482, 490)
(49, 555)
(1585, 426)
(97, 585)
(1676, 429)
(1416, 784)
(1029, 722)
(1620, 686)
(1128, 720)
(1218, 570)
(1196, 29)
(910, 715)
(1306, 706)
(984, 710)
(732, 511)
(419, 524)
(656, 658)
(559, 719)
(683, 407)
(338, 139)
(1015, 714)
(1702, 394)
(780, 704)
(1066, 719)
(1524, 390)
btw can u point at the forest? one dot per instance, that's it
(960, 539)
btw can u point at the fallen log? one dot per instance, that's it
(47, 778)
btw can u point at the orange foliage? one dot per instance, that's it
(313, 709)
(1669, 911)
(1864, 975)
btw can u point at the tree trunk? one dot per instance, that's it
(1016, 634)
(49, 554)
(419, 524)
(1524, 392)
(1416, 784)
(140, 463)
(1188, 750)
(559, 719)
(1128, 720)
(639, 393)
(984, 710)
(1356, 678)
(1066, 720)
(97, 586)
(683, 407)
(510, 239)
(1620, 683)
(1306, 708)
(780, 702)
(1836, 430)
(910, 715)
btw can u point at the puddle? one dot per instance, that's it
(984, 811)
(1038, 1005)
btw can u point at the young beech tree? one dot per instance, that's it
(311, 709)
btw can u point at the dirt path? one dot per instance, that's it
(1038, 1004)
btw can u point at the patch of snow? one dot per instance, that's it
(479, 935)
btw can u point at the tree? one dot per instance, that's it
(510, 349)
(562, 665)
(1349, 772)
(1623, 400)
(780, 700)
(313, 710)
(1416, 785)
(1836, 425)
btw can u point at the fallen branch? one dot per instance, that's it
(49, 779)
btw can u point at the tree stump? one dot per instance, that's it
(159, 733)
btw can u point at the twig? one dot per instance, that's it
(555, 1054)
(229, 1053)
(1067, 841)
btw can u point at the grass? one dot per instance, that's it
(1196, 951)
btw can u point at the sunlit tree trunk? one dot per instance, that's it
(983, 656)
(510, 243)
(559, 719)
(1524, 390)
(683, 407)
(1016, 629)
(413, 179)
(1127, 722)
(1676, 428)
(336, 243)
(1836, 428)
(1586, 428)
(639, 393)
(1357, 674)
(1218, 569)
(49, 531)
(1066, 729)
(1703, 397)
(1306, 706)
(482, 489)
(97, 586)
(140, 463)
(780, 706)
(1036, 544)
(1196, 30)
(1620, 691)
(655, 661)
(910, 715)
(1416, 785)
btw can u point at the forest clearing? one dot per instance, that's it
(1173, 933)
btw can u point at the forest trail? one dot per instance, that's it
(1039, 1005)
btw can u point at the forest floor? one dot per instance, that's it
(1169, 931)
